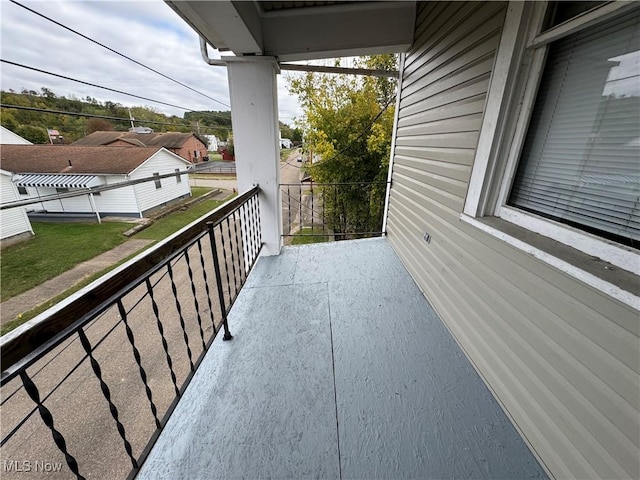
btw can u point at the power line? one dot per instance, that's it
(110, 89)
(367, 129)
(107, 117)
(117, 53)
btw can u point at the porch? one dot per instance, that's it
(339, 368)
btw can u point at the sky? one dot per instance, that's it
(145, 30)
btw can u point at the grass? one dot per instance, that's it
(55, 248)
(32, 262)
(315, 238)
(26, 316)
(285, 152)
(165, 226)
(214, 157)
(199, 191)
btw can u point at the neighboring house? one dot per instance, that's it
(286, 143)
(42, 170)
(14, 222)
(514, 190)
(187, 145)
(213, 142)
(7, 137)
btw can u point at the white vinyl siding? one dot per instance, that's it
(561, 357)
(117, 201)
(13, 221)
(148, 195)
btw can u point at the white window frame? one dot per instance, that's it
(519, 66)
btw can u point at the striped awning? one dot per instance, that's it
(57, 181)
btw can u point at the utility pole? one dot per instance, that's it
(131, 118)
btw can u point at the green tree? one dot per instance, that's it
(33, 134)
(347, 125)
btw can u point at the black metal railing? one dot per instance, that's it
(88, 387)
(338, 211)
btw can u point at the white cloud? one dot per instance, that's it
(146, 30)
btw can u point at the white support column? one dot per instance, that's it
(254, 116)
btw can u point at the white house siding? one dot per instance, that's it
(121, 201)
(561, 357)
(163, 162)
(7, 137)
(13, 221)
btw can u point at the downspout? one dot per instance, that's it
(396, 115)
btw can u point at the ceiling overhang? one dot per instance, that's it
(301, 30)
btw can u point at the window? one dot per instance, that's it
(23, 190)
(560, 141)
(157, 180)
(580, 160)
(178, 176)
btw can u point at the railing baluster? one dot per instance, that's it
(195, 299)
(252, 240)
(226, 262)
(174, 289)
(335, 211)
(32, 390)
(238, 255)
(246, 239)
(206, 287)
(300, 206)
(216, 268)
(233, 260)
(312, 211)
(324, 210)
(156, 312)
(258, 224)
(136, 355)
(289, 207)
(107, 395)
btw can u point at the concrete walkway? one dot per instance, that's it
(48, 290)
(44, 292)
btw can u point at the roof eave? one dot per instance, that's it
(354, 28)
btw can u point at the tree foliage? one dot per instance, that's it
(33, 134)
(347, 126)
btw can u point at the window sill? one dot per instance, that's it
(599, 274)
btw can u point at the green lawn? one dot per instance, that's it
(55, 248)
(309, 238)
(199, 191)
(165, 226)
(58, 247)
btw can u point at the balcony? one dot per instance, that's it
(338, 368)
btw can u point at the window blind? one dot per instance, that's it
(580, 162)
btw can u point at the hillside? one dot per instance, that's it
(33, 124)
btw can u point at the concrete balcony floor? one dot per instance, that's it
(339, 369)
